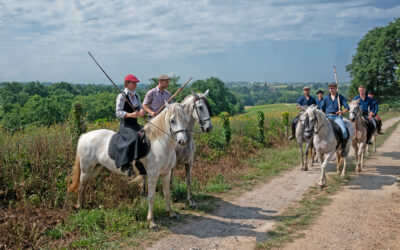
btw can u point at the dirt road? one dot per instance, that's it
(366, 214)
(242, 222)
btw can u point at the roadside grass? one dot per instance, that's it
(299, 217)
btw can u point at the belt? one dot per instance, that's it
(332, 114)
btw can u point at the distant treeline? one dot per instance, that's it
(263, 93)
(40, 104)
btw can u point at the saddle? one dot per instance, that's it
(143, 148)
(338, 133)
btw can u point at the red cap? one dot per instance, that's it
(131, 78)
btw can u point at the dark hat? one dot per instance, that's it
(370, 92)
(319, 91)
(332, 84)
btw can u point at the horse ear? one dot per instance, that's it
(166, 104)
(195, 95)
(205, 94)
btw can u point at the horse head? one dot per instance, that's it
(202, 111)
(355, 110)
(309, 119)
(177, 122)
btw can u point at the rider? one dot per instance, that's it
(155, 97)
(331, 108)
(367, 109)
(320, 96)
(305, 100)
(124, 146)
(375, 111)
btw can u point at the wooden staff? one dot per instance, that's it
(337, 86)
(172, 97)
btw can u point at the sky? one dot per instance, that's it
(264, 41)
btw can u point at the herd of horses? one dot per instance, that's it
(172, 143)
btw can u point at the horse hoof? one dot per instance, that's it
(192, 204)
(342, 176)
(173, 216)
(155, 228)
(321, 187)
(358, 170)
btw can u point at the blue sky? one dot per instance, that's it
(269, 41)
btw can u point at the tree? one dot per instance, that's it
(375, 62)
(219, 97)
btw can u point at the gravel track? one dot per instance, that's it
(241, 222)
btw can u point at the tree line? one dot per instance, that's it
(39, 104)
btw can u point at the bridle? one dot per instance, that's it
(197, 111)
(313, 130)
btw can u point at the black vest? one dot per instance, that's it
(127, 108)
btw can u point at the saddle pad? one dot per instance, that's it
(110, 146)
(338, 133)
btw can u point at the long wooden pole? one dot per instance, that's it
(172, 97)
(337, 84)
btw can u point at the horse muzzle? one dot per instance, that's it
(207, 129)
(182, 142)
(308, 134)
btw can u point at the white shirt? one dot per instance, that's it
(121, 102)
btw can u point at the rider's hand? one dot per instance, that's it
(152, 113)
(141, 113)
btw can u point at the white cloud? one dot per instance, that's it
(50, 30)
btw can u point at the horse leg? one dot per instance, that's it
(322, 181)
(84, 178)
(152, 183)
(343, 159)
(167, 195)
(362, 152)
(171, 181)
(188, 168)
(301, 155)
(306, 156)
(338, 162)
(374, 136)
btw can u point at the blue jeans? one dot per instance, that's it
(339, 121)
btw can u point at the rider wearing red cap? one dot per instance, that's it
(124, 146)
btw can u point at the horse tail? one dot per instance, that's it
(74, 177)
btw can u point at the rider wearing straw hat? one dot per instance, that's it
(125, 144)
(330, 106)
(305, 100)
(155, 97)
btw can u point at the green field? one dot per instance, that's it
(276, 107)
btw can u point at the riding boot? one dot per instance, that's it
(344, 150)
(140, 167)
(369, 135)
(379, 126)
(127, 168)
(294, 122)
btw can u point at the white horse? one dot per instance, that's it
(325, 143)
(197, 110)
(302, 139)
(167, 130)
(360, 134)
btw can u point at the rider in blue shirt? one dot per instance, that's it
(320, 96)
(331, 108)
(375, 111)
(305, 100)
(367, 108)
